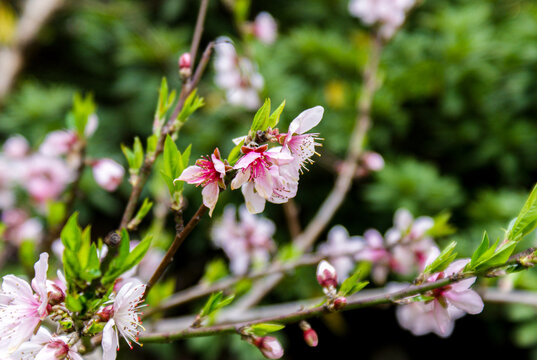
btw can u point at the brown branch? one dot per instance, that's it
(291, 215)
(343, 182)
(180, 236)
(34, 16)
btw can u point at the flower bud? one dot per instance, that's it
(108, 174)
(55, 294)
(106, 313)
(340, 303)
(373, 161)
(326, 274)
(310, 336)
(185, 65)
(269, 346)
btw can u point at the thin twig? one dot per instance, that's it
(343, 182)
(180, 236)
(291, 215)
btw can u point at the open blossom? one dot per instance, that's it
(297, 142)
(16, 147)
(19, 227)
(389, 14)
(123, 318)
(450, 303)
(21, 310)
(59, 142)
(45, 346)
(246, 242)
(209, 173)
(265, 28)
(260, 177)
(339, 242)
(237, 75)
(108, 174)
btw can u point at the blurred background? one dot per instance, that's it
(454, 119)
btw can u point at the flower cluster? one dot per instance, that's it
(237, 75)
(246, 242)
(263, 173)
(403, 249)
(29, 180)
(388, 14)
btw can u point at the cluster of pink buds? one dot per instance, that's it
(327, 278)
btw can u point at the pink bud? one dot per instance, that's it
(108, 174)
(269, 346)
(106, 313)
(373, 161)
(185, 62)
(340, 303)
(311, 338)
(326, 274)
(55, 293)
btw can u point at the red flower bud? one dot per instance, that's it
(326, 274)
(340, 303)
(185, 62)
(311, 338)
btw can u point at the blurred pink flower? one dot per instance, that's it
(45, 346)
(389, 14)
(265, 28)
(246, 242)
(16, 147)
(108, 174)
(46, 177)
(58, 143)
(450, 302)
(19, 227)
(340, 242)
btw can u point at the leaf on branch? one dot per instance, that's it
(274, 118)
(262, 329)
(443, 260)
(485, 257)
(192, 103)
(235, 153)
(441, 226)
(261, 118)
(526, 221)
(216, 302)
(352, 284)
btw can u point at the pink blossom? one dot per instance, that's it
(46, 177)
(300, 144)
(265, 28)
(258, 173)
(449, 303)
(210, 175)
(22, 310)
(340, 248)
(389, 14)
(16, 147)
(58, 143)
(246, 242)
(45, 346)
(124, 318)
(373, 161)
(91, 125)
(269, 346)
(108, 174)
(19, 227)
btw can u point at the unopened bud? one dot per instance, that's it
(106, 313)
(269, 346)
(310, 336)
(55, 294)
(340, 303)
(373, 161)
(326, 274)
(185, 65)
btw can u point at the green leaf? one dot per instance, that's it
(137, 254)
(152, 144)
(116, 265)
(192, 103)
(77, 118)
(235, 153)
(441, 226)
(274, 118)
(73, 303)
(443, 260)
(261, 118)
(500, 257)
(480, 250)
(172, 157)
(138, 153)
(216, 302)
(289, 252)
(526, 220)
(55, 212)
(92, 269)
(352, 285)
(71, 234)
(263, 329)
(214, 271)
(144, 209)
